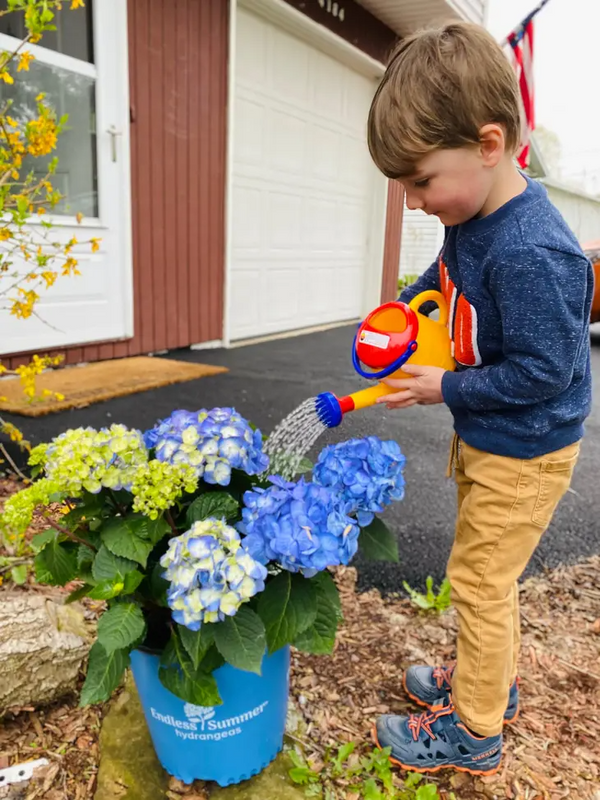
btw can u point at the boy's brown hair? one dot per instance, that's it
(440, 87)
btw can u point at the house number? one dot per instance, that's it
(333, 8)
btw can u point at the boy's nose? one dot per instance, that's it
(412, 202)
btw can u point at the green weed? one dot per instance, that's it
(430, 601)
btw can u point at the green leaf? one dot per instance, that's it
(378, 543)
(78, 593)
(241, 640)
(19, 574)
(106, 590)
(319, 638)
(121, 539)
(371, 790)
(120, 626)
(177, 674)
(211, 661)
(427, 792)
(156, 529)
(196, 643)
(287, 606)
(197, 688)
(212, 504)
(40, 540)
(56, 564)
(304, 466)
(104, 674)
(107, 565)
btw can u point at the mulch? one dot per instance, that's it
(552, 751)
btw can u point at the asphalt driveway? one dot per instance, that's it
(266, 381)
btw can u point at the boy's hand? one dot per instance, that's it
(424, 389)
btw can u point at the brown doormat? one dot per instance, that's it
(92, 383)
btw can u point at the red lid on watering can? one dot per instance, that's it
(385, 340)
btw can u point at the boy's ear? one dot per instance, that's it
(492, 144)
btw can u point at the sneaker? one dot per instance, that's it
(437, 739)
(425, 685)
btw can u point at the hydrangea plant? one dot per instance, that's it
(195, 547)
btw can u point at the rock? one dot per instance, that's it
(129, 767)
(43, 644)
(273, 783)
(130, 770)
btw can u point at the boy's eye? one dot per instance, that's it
(422, 183)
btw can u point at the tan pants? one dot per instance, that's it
(504, 507)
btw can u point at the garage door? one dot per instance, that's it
(303, 185)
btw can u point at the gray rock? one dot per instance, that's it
(129, 767)
(130, 770)
(273, 783)
(43, 644)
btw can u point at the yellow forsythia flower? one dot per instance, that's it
(79, 217)
(4, 234)
(24, 61)
(77, 4)
(95, 244)
(70, 267)
(6, 77)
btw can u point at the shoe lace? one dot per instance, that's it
(424, 721)
(442, 676)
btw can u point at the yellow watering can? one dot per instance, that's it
(392, 335)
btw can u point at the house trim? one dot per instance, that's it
(303, 27)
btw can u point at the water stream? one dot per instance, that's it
(293, 438)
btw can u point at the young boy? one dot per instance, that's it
(445, 123)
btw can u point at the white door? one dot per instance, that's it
(82, 69)
(302, 184)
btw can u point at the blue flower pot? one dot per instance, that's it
(228, 743)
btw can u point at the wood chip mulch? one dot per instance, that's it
(552, 752)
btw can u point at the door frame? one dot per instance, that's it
(109, 71)
(303, 27)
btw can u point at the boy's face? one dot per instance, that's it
(452, 185)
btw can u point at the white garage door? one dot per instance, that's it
(303, 184)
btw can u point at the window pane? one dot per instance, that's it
(72, 94)
(73, 34)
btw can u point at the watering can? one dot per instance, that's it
(392, 335)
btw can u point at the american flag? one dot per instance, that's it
(520, 41)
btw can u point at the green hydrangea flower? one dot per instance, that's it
(157, 485)
(87, 459)
(19, 508)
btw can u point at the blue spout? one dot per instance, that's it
(329, 409)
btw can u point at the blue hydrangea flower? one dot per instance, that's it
(210, 573)
(366, 473)
(302, 526)
(212, 442)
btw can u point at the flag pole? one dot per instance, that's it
(523, 24)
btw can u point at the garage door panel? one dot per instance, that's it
(285, 216)
(303, 184)
(250, 118)
(248, 215)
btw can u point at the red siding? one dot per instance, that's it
(393, 235)
(178, 84)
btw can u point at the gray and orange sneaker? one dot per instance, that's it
(426, 685)
(435, 740)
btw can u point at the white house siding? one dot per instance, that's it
(472, 10)
(581, 211)
(422, 238)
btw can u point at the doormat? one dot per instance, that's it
(92, 383)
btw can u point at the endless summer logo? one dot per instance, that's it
(202, 717)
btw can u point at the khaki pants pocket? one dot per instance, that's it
(555, 479)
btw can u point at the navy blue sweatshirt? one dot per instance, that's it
(520, 290)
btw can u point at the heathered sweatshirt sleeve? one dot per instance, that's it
(541, 296)
(430, 279)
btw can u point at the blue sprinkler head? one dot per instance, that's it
(329, 409)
